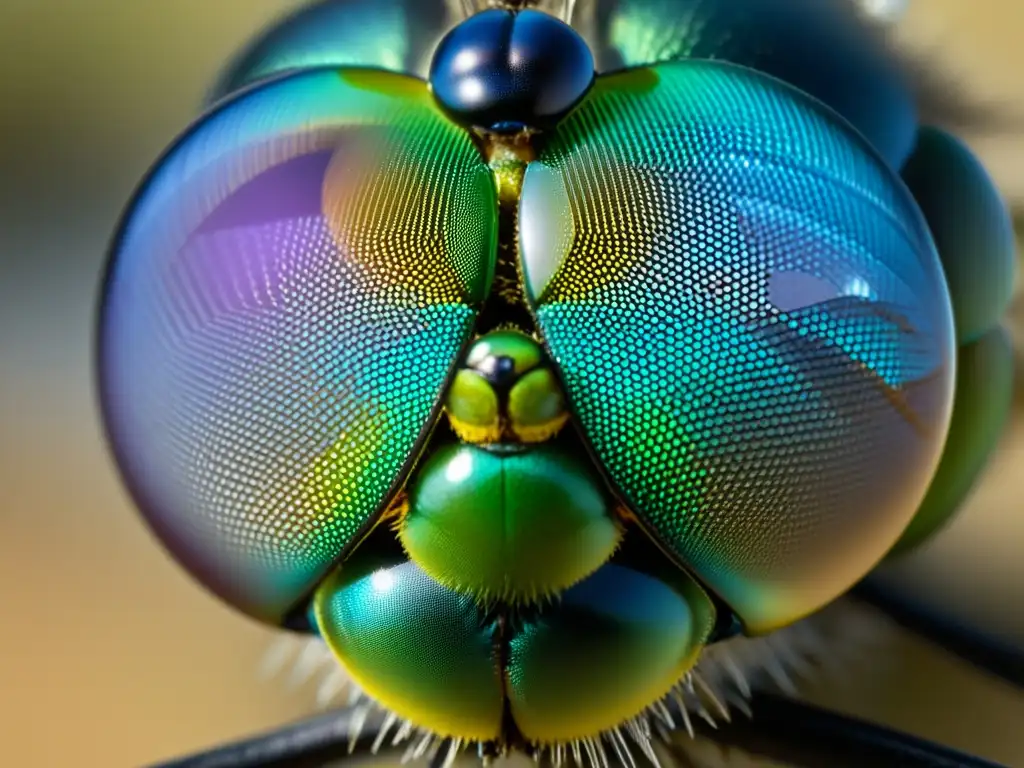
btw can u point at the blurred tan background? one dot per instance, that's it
(109, 654)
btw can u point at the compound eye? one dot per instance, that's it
(506, 71)
(269, 282)
(751, 323)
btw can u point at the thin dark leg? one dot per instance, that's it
(804, 736)
(782, 729)
(983, 651)
(309, 743)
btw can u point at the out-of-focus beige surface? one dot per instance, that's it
(109, 654)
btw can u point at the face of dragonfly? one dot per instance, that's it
(526, 361)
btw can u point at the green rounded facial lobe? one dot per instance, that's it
(516, 526)
(288, 295)
(423, 651)
(751, 324)
(616, 643)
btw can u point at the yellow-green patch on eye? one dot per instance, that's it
(381, 81)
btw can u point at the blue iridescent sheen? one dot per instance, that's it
(751, 323)
(506, 70)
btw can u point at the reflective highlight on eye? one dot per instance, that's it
(752, 326)
(546, 228)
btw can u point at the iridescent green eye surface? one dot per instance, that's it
(751, 324)
(287, 296)
(981, 410)
(971, 226)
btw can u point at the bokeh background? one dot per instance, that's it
(109, 654)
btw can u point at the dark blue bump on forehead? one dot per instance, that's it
(504, 71)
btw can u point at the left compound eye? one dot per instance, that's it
(286, 298)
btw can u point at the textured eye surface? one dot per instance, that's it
(751, 323)
(287, 297)
(396, 35)
(827, 49)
